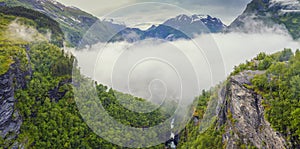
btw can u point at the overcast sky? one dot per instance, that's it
(145, 12)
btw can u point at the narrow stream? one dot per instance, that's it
(172, 143)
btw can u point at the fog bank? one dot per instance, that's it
(156, 70)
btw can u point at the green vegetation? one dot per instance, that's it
(9, 54)
(270, 13)
(11, 49)
(194, 136)
(263, 61)
(47, 106)
(41, 22)
(292, 22)
(73, 30)
(52, 123)
(125, 115)
(280, 87)
(51, 118)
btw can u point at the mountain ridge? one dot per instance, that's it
(276, 15)
(179, 27)
(73, 21)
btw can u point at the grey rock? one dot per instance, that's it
(10, 99)
(6, 112)
(247, 124)
(10, 119)
(4, 81)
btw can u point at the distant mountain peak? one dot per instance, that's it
(193, 18)
(182, 17)
(195, 24)
(204, 18)
(179, 27)
(151, 28)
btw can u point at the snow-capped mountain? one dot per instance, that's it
(281, 16)
(180, 27)
(196, 24)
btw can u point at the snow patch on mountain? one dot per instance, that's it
(287, 5)
(195, 24)
(286, 2)
(194, 18)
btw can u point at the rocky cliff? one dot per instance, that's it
(242, 113)
(10, 120)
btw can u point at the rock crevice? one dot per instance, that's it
(10, 120)
(242, 114)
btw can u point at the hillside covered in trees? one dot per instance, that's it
(40, 91)
(256, 107)
(275, 86)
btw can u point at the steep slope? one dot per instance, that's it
(37, 105)
(10, 119)
(269, 15)
(243, 115)
(15, 69)
(257, 107)
(44, 24)
(73, 21)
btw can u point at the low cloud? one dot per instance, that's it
(175, 70)
(18, 31)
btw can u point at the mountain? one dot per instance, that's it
(154, 32)
(196, 24)
(43, 23)
(37, 87)
(73, 21)
(256, 107)
(180, 27)
(274, 15)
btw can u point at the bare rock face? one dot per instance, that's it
(10, 120)
(242, 114)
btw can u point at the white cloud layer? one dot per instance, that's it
(155, 69)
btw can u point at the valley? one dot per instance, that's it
(71, 80)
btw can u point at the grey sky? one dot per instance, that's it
(154, 13)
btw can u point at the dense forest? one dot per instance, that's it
(51, 118)
(203, 133)
(50, 115)
(280, 88)
(49, 112)
(47, 106)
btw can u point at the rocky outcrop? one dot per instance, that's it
(56, 93)
(242, 113)
(10, 120)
